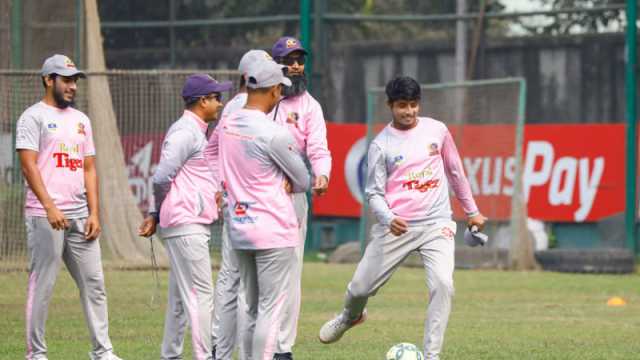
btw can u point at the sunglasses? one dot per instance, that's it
(289, 60)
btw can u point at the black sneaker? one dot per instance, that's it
(283, 356)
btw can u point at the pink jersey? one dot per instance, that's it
(62, 138)
(184, 187)
(303, 116)
(410, 172)
(255, 155)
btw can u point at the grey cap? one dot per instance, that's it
(473, 237)
(61, 65)
(250, 57)
(264, 74)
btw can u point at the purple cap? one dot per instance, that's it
(203, 85)
(285, 46)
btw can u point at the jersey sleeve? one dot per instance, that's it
(177, 147)
(282, 151)
(89, 146)
(376, 185)
(28, 131)
(317, 148)
(455, 174)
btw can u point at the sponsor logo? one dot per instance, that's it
(417, 175)
(52, 127)
(398, 160)
(421, 186)
(81, 129)
(240, 213)
(64, 161)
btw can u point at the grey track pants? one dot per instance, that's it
(190, 296)
(386, 252)
(48, 248)
(230, 317)
(265, 277)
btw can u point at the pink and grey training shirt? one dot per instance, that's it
(410, 171)
(303, 116)
(62, 138)
(255, 155)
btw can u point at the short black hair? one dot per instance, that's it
(243, 81)
(402, 88)
(53, 77)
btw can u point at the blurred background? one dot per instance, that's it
(573, 118)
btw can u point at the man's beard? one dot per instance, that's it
(61, 103)
(298, 86)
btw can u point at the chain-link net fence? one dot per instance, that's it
(486, 120)
(145, 103)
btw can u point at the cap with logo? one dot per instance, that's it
(198, 85)
(285, 46)
(264, 74)
(250, 57)
(60, 65)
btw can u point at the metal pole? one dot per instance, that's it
(16, 34)
(305, 38)
(172, 33)
(305, 35)
(16, 63)
(461, 41)
(632, 141)
(79, 32)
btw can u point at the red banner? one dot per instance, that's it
(571, 173)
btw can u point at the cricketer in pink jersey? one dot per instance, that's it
(302, 115)
(257, 159)
(57, 154)
(411, 165)
(184, 189)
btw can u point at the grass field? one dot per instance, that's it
(496, 315)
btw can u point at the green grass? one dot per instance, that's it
(496, 315)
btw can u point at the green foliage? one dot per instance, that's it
(577, 22)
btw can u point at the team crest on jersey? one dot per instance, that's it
(433, 149)
(292, 118)
(81, 129)
(52, 127)
(291, 43)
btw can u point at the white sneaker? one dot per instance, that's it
(333, 329)
(109, 356)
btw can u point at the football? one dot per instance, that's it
(404, 351)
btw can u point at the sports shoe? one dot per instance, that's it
(283, 356)
(333, 329)
(109, 356)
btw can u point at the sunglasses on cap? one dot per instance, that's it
(289, 60)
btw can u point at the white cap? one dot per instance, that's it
(250, 57)
(264, 74)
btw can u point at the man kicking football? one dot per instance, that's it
(411, 164)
